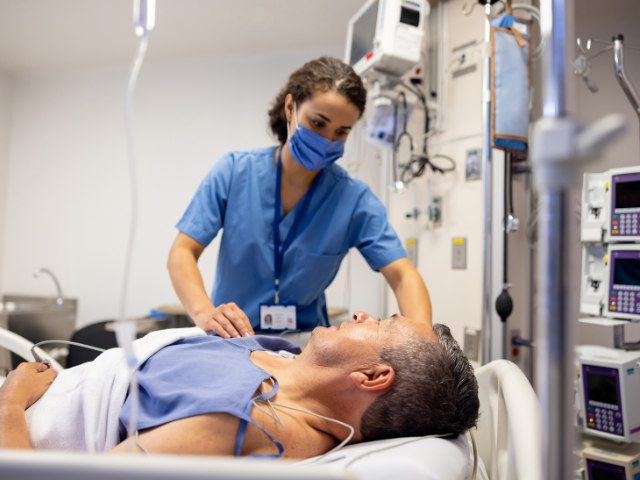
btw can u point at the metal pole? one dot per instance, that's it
(486, 180)
(618, 336)
(555, 359)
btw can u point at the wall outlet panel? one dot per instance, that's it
(514, 352)
(411, 246)
(459, 254)
(471, 345)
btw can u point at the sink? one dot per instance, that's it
(16, 308)
(37, 319)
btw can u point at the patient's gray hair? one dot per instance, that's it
(434, 392)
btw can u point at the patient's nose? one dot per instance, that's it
(361, 317)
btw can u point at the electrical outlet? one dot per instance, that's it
(459, 254)
(514, 352)
(473, 169)
(471, 345)
(464, 59)
(411, 247)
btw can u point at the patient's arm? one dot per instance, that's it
(22, 388)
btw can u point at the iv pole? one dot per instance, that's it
(558, 143)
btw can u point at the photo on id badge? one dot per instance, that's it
(278, 317)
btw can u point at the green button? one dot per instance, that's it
(589, 409)
(615, 217)
(613, 293)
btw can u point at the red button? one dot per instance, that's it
(369, 55)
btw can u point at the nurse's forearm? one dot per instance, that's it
(187, 281)
(410, 290)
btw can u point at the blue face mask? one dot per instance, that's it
(310, 149)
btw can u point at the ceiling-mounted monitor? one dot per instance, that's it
(385, 37)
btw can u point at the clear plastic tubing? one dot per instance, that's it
(144, 21)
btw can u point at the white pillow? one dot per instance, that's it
(409, 459)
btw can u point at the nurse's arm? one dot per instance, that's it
(410, 290)
(227, 320)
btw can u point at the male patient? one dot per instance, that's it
(392, 378)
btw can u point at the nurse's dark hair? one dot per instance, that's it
(434, 391)
(323, 74)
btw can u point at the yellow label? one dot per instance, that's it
(458, 241)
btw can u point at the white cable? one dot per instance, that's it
(139, 444)
(126, 330)
(335, 449)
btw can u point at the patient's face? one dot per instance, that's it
(359, 342)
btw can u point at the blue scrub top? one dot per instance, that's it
(238, 195)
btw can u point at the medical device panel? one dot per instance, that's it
(592, 285)
(593, 205)
(623, 288)
(385, 37)
(609, 389)
(612, 462)
(611, 206)
(610, 283)
(624, 201)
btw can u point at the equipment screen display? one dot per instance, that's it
(410, 16)
(602, 388)
(602, 474)
(364, 32)
(628, 195)
(626, 271)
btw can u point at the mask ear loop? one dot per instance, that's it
(295, 115)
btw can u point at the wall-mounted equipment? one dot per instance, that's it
(610, 284)
(612, 462)
(384, 38)
(611, 206)
(609, 388)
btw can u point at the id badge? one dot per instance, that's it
(282, 316)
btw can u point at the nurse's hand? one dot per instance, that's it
(227, 320)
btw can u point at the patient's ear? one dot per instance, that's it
(378, 378)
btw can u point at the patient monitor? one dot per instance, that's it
(612, 462)
(609, 389)
(610, 284)
(611, 206)
(385, 37)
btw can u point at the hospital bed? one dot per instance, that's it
(507, 438)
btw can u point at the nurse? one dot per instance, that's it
(289, 216)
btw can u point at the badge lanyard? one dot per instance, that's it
(279, 251)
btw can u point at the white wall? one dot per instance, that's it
(68, 193)
(5, 114)
(456, 294)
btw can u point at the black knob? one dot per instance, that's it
(504, 305)
(618, 37)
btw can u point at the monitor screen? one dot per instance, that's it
(602, 474)
(602, 388)
(410, 16)
(628, 195)
(626, 271)
(364, 32)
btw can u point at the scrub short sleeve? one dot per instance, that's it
(371, 232)
(205, 214)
